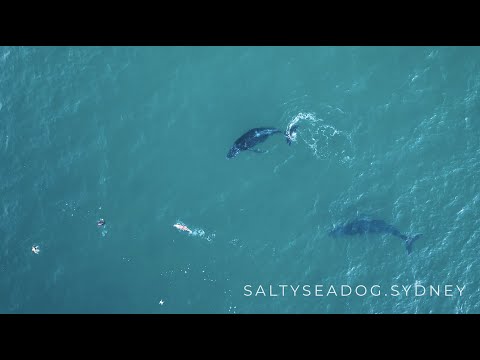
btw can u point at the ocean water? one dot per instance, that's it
(139, 136)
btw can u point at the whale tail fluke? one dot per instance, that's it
(409, 242)
(291, 134)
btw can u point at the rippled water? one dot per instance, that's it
(139, 136)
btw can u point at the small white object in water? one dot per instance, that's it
(182, 227)
(161, 302)
(35, 249)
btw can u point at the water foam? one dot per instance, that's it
(323, 139)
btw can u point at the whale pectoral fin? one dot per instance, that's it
(258, 151)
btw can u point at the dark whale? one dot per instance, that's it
(256, 136)
(373, 226)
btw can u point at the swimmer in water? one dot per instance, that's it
(182, 227)
(100, 222)
(35, 249)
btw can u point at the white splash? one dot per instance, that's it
(323, 139)
(198, 232)
(202, 234)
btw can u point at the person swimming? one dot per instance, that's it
(182, 227)
(100, 222)
(35, 249)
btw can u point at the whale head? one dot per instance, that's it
(233, 152)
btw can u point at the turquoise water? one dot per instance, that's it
(139, 136)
